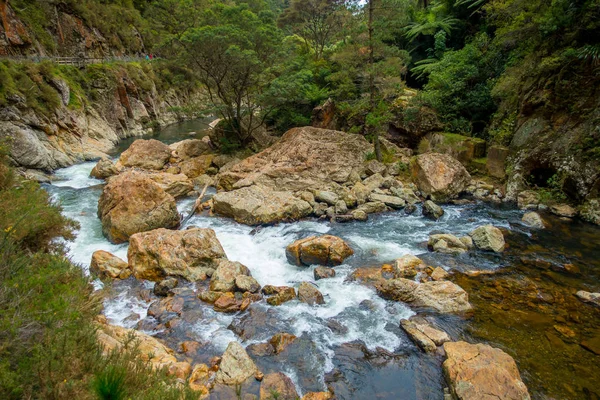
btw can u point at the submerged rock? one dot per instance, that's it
(190, 254)
(488, 237)
(324, 250)
(146, 154)
(257, 205)
(309, 294)
(533, 220)
(440, 176)
(277, 386)
(444, 296)
(106, 265)
(236, 366)
(131, 203)
(479, 371)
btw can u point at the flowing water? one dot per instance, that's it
(368, 355)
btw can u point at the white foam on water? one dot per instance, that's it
(76, 176)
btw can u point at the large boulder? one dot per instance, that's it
(146, 154)
(439, 176)
(481, 372)
(236, 366)
(444, 296)
(132, 202)
(488, 237)
(191, 254)
(257, 205)
(106, 265)
(323, 250)
(304, 158)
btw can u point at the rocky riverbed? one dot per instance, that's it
(361, 291)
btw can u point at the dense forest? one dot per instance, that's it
(522, 75)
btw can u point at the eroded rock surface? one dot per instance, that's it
(440, 176)
(256, 205)
(481, 372)
(190, 254)
(323, 250)
(131, 203)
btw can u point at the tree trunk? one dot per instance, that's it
(374, 132)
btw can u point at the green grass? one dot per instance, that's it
(48, 346)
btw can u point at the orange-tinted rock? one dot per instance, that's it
(146, 154)
(277, 385)
(131, 203)
(189, 254)
(324, 250)
(481, 372)
(106, 265)
(281, 340)
(439, 176)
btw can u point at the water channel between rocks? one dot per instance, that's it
(353, 342)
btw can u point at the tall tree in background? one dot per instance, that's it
(232, 53)
(316, 21)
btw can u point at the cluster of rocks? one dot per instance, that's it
(225, 373)
(411, 281)
(145, 181)
(486, 237)
(323, 173)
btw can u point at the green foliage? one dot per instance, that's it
(110, 383)
(48, 345)
(460, 84)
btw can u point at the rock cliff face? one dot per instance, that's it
(82, 128)
(45, 29)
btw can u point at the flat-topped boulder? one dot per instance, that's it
(191, 254)
(146, 154)
(481, 372)
(439, 176)
(442, 296)
(257, 205)
(324, 250)
(131, 203)
(304, 158)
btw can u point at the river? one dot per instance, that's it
(371, 356)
